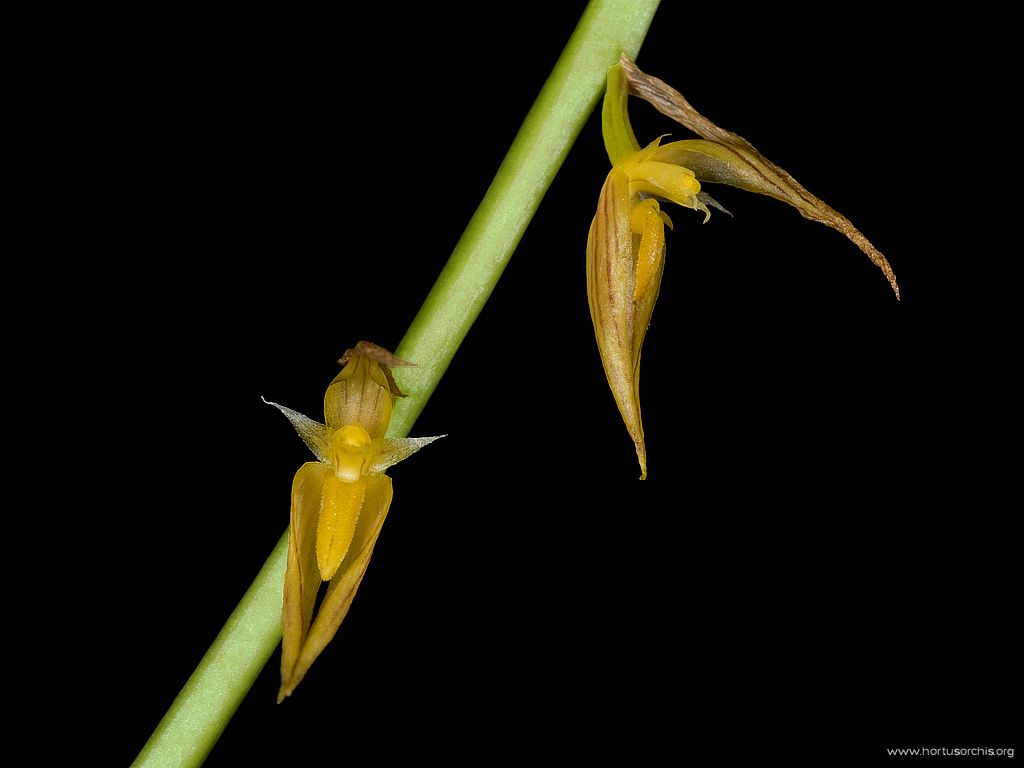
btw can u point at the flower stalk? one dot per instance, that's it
(626, 245)
(251, 634)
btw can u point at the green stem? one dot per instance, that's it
(204, 706)
(212, 694)
(607, 28)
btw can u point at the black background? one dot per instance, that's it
(821, 557)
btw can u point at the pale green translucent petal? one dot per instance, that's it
(313, 433)
(393, 450)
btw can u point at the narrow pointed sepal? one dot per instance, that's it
(390, 451)
(302, 577)
(727, 158)
(314, 434)
(342, 588)
(619, 312)
(619, 140)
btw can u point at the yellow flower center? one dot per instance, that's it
(672, 182)
(351, 446)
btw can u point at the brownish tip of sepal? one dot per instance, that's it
(376, 353)
(290, 678)
(635, 428)
(739, 163)
(288, 688)
(384, 357)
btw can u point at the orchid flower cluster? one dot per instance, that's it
(340, 501)
(626, 246)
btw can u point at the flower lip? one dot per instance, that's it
(352, 452)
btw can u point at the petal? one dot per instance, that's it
(361, 395)
(619, 140)
(651, 252)
(611, 275)
(620, 321)
(339, 512)
(393, 450)
(313, 433)
(343, 586)
(302, 577)
(725, 157)
(651, 173)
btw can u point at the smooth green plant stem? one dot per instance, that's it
(204, 706)
(607, 28)
(214, 691)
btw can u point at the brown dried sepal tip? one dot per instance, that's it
(728, 158)
(384, 357)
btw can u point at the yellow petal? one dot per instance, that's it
(346, 581)
(668, 180)
(302, 577)
(646, 220)
(619, 139)
(619, 312)
(339, 513)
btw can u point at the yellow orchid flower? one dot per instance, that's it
(626, 244)
(338, 503)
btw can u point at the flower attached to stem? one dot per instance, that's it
(626, 245)
(338, 503)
